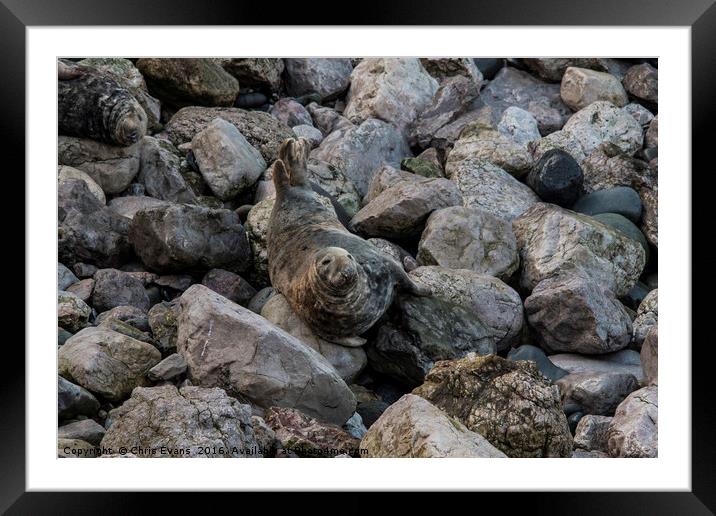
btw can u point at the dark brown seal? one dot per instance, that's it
(91, 104)
(337, 282)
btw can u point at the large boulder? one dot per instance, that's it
(402, 210)
(573, 314)
(624, 361)
(88, 231)
(130, 205)
(160, 172)
(395, 90)
(518, 125)
(591, 433)
(495, 304)
(487, 186)
(413, 427)
(581, 86)
(228, 163)
(106, 363)
(443, 69)
(116, 288)
(634, 431)
(73, 400)
(189, 81)
(537, 355)
(348, 361)
(559, 140)
(469, 238)
(328, 77)
(65, 172)
(260, 129)
(164, 421)
(359, 150)
(230, 285)
(509, 403)
(177, 237)
(228, 346)
(553, 240)
(386, 177)
(603, 122)
(111, 167)
(262, 73)
(291, 113)
(595, 393)
(608, 166)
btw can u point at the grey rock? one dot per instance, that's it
(162, 319)
(519, 125)
(642, 81)
(178, 237)
(469, 238)
(651, 138)
(355, 427)
(262, 73)
(621, 199)
(160, 174)
(640, 113)
(634, 430)
(260, 299)
(385, 177)
(627, 227)
(64, 172)
(608, 167)
(650, 355)
(553, 69)
(195, 422)
(105, 362)
(561, 140)
(84, 270)
(624, 361)
(595, 393)
(553, 240)
(591, 434)
(266, 366)
(443, 69)
(647, 316)
(73, 400)
(169, 368)
(414, 427)
(129, 314)
(230, 285)
(65, 277)
(536, 355)
(112, 168)
(650, 215)
(116, 288)
(603, 122)
(308, 132)
(396, 252)
(291, 113)
(87, 430)
(72, 313)
(581, 86)
(82, 289)
(62, 336)
(327, 77)
(76, 449)
(487, 186)
(130, 205)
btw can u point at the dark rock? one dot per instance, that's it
(642, 81)
(635, 296)
(116, 288)
(129, 314)
(62, 336)
(73, 400)
(421, 167)
(489, 66)
(371, 410)
(230, 285)
(595, 393)
(84, 270)
(260, 298)
(536, 355)
(251, 100)
(621, 199)
(573, 420)
(87, 430)
(557, 178)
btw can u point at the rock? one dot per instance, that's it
(264, 132)
(84, 270)
(291, 113)
(187, 82)
(72, 313)
(591, 434)
(452, 99)
(163, 321)
(395, 90)
(194, 422)
(474, 112)
(624, 361)
(335, 184)
(131, 315)
(509, 403)
(228, 163)
(608, 167)
(650, 355)
(126, 329)
(355, 427)
(112, 168)
(421, 167)
(401, 210)
(232, 286)
(603, 122)
(385, 177)
(595, 393)
(560, 140)
(62, 336)
(267, 365)
(265, 437)
(469, 238)
(413, 427)
(443, 69)
(488, 187)
(620, 199)
(359, 150)
(536, 355)
(176, 282)
(327, 77)
(512, 87)
(105, 362)
(557, 178)
(179, 237)
(371, 410)
(640, 113)
(420, 330)
(626, 226)
(129, 206)
(64, 172)
(650, 215)
(396, 252)
(481, 143)
(260, 299)
(634, 430)
(496, 305)
(553, 240)
(87, 430)
(651, 138)
(73, 400)
(642, 81)
(307, 437)
(160, 174)
(489, 66)
(308, 132)
(348, 361)
(88, 230)
(263, 73)
(581, 86)
(169, 368)
(76, 449)
(518, 125)
(256, 226)
(552, 70)
(327, 119)
(116, 288)
(65, 277)
(647, 316)
(82, 289)
(573, 314)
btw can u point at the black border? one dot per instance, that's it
(16, 15)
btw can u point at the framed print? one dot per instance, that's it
(425, 242)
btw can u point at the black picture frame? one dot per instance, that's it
(16, 15)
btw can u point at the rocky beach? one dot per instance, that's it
(357, 257)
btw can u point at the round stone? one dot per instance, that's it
(557, 178)
(626, 226)
(621, 199)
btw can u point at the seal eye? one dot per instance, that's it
(326, 261)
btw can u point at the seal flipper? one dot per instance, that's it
(407, 285)
(294, 154)
(281, 180)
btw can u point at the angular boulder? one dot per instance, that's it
(634, 430)
(326, 77)
(581, 86)
(116, 288)
(603, 122)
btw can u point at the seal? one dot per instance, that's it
(336, 281)
(91, 104)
